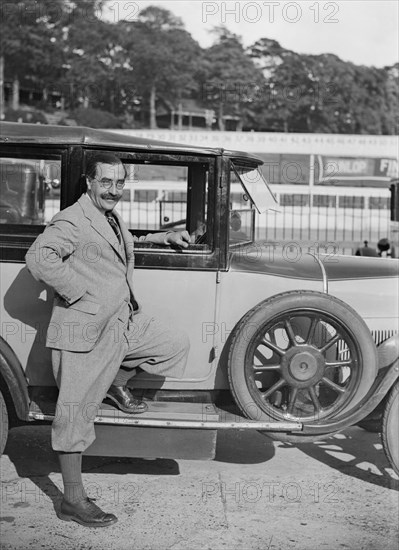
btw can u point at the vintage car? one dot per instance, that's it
(284, 340)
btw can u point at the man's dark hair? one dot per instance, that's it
(100, 157)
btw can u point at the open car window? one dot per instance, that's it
(256, 188)
(241, 212)
(163, 196)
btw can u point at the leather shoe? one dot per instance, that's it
(125, 401)
(86, 513)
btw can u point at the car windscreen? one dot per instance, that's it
(257, 188)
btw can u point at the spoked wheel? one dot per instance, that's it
(390, 428)
(301, 356)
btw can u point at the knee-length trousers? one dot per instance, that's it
(83, 378)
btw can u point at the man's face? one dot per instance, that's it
(106, 174)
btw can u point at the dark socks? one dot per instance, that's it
(123, 376)
(71, 470)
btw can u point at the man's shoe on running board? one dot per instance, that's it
(124, 400)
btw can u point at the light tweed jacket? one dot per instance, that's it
(79, 256)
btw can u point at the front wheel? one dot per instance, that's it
(390, 428)
(300, 356)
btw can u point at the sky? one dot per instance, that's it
(362, 31)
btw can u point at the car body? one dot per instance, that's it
(308, 324)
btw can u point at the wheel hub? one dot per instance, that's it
(303, 366)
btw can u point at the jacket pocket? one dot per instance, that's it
(86, 306)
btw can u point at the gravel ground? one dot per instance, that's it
(257, 494)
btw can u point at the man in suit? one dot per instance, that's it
(97, 332)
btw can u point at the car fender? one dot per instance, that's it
(388, 351)
(388, 374)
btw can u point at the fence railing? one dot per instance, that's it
(346, 226)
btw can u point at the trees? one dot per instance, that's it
(28, 39)
(61, 45)
(391, 90)
(321, 93)
(89, 57)
(69, 47)
(230, 77)
(161, 53)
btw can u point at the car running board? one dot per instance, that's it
(160, 414)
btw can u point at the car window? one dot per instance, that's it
(29, 190)
(166, 196)
(241, 214)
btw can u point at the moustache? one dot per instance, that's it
(109, 197)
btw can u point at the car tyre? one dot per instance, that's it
(4, 423)
(373, 421)
(300, 356)
(390, 428)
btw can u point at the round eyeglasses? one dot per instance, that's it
(107, 183)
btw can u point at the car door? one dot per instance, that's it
(166, 192)
(30, 195)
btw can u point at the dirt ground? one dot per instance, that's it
(255, 495)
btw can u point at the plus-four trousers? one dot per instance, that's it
(84, 378)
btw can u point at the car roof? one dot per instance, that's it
(40, 134)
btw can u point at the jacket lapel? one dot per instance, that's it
(99, 223)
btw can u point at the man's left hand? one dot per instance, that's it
(178, 238)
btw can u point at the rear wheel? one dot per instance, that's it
(300, 356)
(4, 423)
(390, 428)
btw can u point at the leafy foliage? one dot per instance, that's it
(161, 53)
(28, 38)
(230, 77)
(322, 93)
(128, 68)
(95, 118)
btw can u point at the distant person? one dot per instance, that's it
(366, 250)
(384, 249)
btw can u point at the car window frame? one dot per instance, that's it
(153, 256)
(15, 239)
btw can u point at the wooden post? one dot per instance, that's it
(180, 118)
(311, 185)
(2, 87)
(15, 94)
(153, 113)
